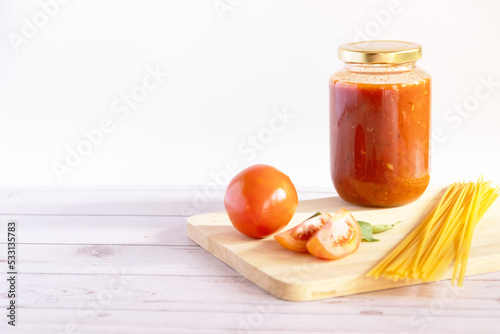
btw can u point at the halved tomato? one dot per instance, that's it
(340, 237)
(296, 238)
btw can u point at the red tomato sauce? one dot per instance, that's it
(380, 141)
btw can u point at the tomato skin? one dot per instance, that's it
(260, 201)
(341, 236)
(296, 238)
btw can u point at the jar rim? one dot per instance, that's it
(380, 52)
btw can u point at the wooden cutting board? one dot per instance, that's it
(299, 277)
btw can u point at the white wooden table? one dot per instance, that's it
(119, 261)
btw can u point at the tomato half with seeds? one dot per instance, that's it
(339, 237)
(295, 239)
(260, 201)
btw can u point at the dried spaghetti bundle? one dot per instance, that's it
(443, 237)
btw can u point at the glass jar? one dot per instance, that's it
(380, 106)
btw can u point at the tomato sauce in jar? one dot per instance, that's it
(380, 124)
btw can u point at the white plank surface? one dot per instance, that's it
(118, 201)
(81, 229)
(119, 261)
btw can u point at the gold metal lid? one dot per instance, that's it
(380, 52)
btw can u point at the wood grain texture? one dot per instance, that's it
(301, 277)
(77, 245)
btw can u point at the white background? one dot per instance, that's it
(227, 73)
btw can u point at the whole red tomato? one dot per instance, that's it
(260, 201)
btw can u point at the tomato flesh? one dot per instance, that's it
(339, 237)
(295, 239)
(260, 201)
